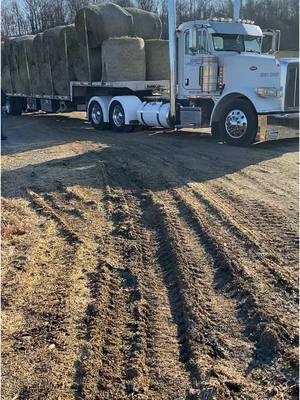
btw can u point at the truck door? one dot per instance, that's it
(193, 59)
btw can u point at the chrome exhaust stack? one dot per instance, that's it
(172, 57)
(236, 9)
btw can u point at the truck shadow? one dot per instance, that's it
(147, 160)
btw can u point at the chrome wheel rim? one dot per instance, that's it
(118, 116)
(236, 124)
(97, 116)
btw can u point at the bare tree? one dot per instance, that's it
(38, 15)
(148, 5)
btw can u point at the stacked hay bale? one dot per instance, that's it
(23, 49)
(95, 23)
(145, 24)
(106, 43)
(84, 62)
(56, 47)
(157, 59)
(123, 59)
(6, 80)
(19, 67)
(11, 56)
(41, 66)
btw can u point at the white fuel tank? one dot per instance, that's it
(154, 114)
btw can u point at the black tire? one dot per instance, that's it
(14, 105)
(242, 111)
(96, 116)
(118, 126)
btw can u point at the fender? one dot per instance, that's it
(260, 104)
(104, 102)
(130, 105)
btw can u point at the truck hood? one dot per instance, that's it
(250, 70)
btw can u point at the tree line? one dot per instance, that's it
(33, 16)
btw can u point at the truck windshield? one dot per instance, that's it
(239, 43)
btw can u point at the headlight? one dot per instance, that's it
(269, 92)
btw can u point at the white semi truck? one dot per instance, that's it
(219, 78)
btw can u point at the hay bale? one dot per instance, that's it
(13, 65)
(41, 66)
(123, 59)
(78, 56)
(146, 25)
(20, 59)
(157, 59)
(24, 50)
(55, 45)
(287, 54)
(6, 82)
(102, 22)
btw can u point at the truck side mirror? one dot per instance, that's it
(270, 41)
(193, 45)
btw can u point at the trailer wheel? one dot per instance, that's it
(96, 116)
(117, 118)
(14, 105)
(238, 123)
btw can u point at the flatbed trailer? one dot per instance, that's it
(82, 91)
(243, 95)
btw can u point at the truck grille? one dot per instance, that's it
(291, 101)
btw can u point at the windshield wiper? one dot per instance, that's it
(236, 51)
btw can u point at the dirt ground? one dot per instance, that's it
(146, 265)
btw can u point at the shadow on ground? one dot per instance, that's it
(150, 160)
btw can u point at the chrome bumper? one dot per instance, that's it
(277, 126)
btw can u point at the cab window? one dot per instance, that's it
(201, 42)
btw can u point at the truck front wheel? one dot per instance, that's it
(117, 118)
(238, 123)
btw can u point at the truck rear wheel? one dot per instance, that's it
(117, 118)
(96, 116)
(14, 105)
(238, 123)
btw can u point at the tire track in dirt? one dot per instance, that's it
(167, 306)
(175, 280)
(257, 181)
(158, 357)
(259, 316)
(268, 223)
(99, 367)
(200, 309)
(278, 275)
(144, 338)
(268, 323)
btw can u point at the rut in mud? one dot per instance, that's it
(144, 266)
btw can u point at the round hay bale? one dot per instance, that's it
(157, 59)
(146, 25)
(102, 22)
(123, 59)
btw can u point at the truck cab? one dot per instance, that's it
(222, 71)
